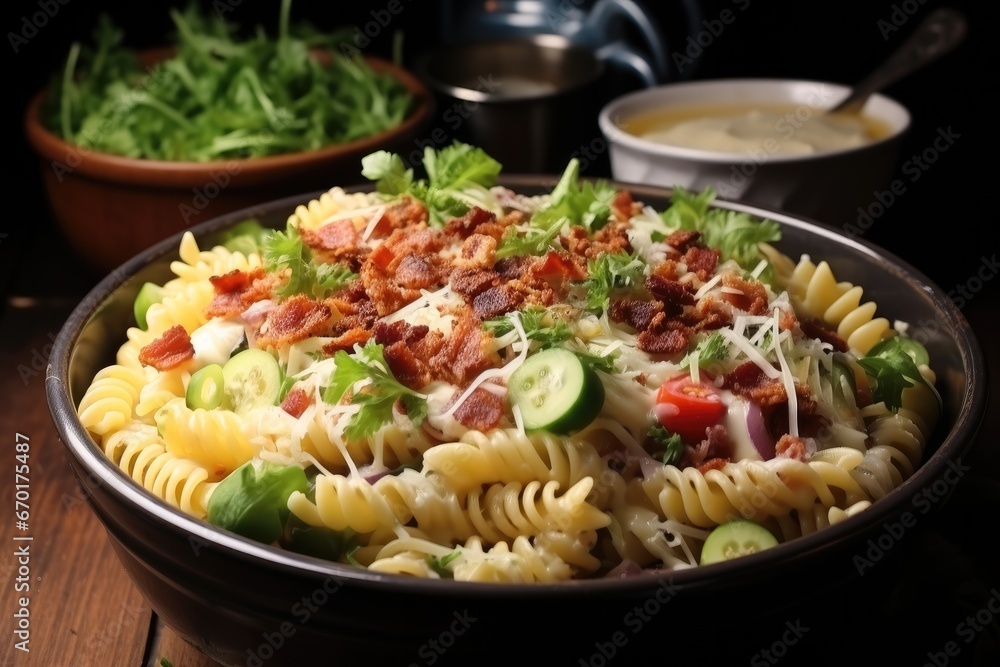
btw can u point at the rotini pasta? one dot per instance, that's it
(508, 390)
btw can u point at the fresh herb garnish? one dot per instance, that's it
(892, 367)
(286, 250)
(219, 97)
(610, 272)
(735, 235)
(441, 565)
(458, 177)
(254, 502)
(538, 325)
(666, 441)
(377, 398)
(713, 348)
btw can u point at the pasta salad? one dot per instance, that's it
(445, 378)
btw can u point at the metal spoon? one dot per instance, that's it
(940, 32)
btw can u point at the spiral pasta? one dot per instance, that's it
(387, 403)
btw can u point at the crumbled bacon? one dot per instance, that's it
(482, 410)
(672, 293)
(814, 328)
(469, 283)
(714, 451)
(669, 341)
(296, 318)
(387, 333)
(478, 252)
(637, 313)
(468, 223)
(236, 291)
(406, 213)
(347, 340)
(168, 351)
(623, 206)
(751, 296)
(701, 261)
(416, 271)
(405, 366)
(465, 354)
(496, 301)
(683, 239)
(790, 447)
(296, 401)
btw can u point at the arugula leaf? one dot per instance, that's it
(441, 565)
(219, 97)
(670, 443)
(604, 363)
(736, 235)
(610, 272)
(377, 398)
(253, 502)
(458, 177)
(286, 250)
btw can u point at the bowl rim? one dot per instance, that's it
(608, 121)
(173, 173)
(87, 454)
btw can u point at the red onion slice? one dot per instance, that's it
(757, 430)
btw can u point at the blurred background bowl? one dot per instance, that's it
(244, 603)
(111, 207)
(827, 185)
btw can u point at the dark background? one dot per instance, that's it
(941, 224)
(944, 224)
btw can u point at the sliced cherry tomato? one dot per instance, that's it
(688, 408)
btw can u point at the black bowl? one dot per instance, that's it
(244, 603)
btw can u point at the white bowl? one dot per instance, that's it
(828, 186)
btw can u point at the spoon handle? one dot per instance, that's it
(938, 34)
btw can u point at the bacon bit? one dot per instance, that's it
(381, 257)
(576, 240)
(481, 411)
(790, 447)
(752, 297)
(385, 294)
(296, 401)
(468, 223)
(347, 340)
(416, 241)
(713, 464)
(407, 213)
(415, 271)
(709, 314)
(672, 293)
(332, 237)
(683, 239)
(465, 354)
(610, 239)
(702, 261)
(496, 301)
(558, 266)
(469, 283)
(236, 291)
(715, 450)
(636, 313)
(296, 318)
(513, 268)
(405, 366)
(478, 252)
(622, 206)
(668, 270)
(168, 351)
(671, 341)
(749, 381)
(387, 333)
(814, 328)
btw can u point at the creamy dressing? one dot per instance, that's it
(779, 130)
(735, 421)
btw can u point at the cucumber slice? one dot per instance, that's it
(251, 379)
(556, 391)
(206, 388)
(149, 294)
(734, 539)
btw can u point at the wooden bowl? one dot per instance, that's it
(111, 207)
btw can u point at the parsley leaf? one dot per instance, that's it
(377, 398)
(668, 442)
(713, 348)
(286, 250)
(538, 324)
(893, 369)
(736, 235)
(610, 272)
(458, 178)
